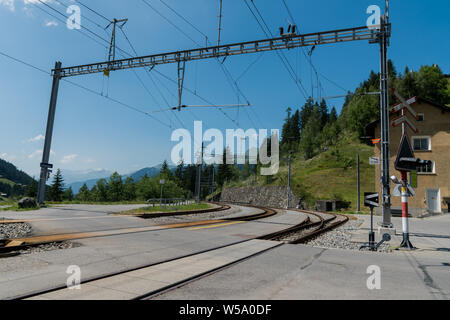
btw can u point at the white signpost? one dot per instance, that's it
(373, 161)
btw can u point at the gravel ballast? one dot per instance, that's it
(341, 238)
(14, 230)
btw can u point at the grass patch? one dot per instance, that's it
(17, 209)
(95, 202)
(157, 209)
(8, 182)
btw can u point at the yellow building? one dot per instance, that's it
(431, 143)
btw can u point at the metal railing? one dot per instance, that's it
(169, 202)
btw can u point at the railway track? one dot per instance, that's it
(10, 246)
(315, 224)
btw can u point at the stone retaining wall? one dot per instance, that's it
(273, 196)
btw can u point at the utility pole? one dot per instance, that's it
(220, 22)
(358, 183)
(383, 39)
(45, 166)
(289, 182)
(198, 186)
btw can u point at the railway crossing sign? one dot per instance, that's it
(404, 105)
(397, 191)
(404, 120)
(371, 199)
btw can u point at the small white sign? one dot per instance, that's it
(162, 181)
(374, 161)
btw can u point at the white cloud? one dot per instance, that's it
(38, 153)
(69, 158)
(9, 4)
(8, 157)
(37, 138)
(51, 24)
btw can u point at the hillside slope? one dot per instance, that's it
(330, 175)
(12, 180)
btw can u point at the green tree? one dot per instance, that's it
(432, 84)
(165, 172)
(101, 190)
(68, 194)
(225, 171)
(83, 193)
(31, 190)
(57, 187)
(324, 115)
(115, 187)
(129, 189)
(333, 115)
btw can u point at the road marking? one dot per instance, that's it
(216, 225)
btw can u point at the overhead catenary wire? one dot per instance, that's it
(89, 90)
(304, 53)
(281, 55)
(135, 73)
(92, 10)
(196, 43)
(81, 26)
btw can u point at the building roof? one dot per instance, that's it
(370, 128)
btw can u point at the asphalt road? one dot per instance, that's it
(104, 255)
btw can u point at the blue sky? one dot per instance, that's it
(92, 132)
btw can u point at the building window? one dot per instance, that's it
(422, 143)
(426, 168)
(420, 117)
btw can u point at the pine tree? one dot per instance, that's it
(179, 171)
(165, 172)
(101, 189)
(68, 194)
(129, 189)
(83, 194)
(32, 189)
(57, 187)
(115, 187)
(333, 115)
(323, 110)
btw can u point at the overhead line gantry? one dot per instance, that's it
(287, 41)
(290, 41)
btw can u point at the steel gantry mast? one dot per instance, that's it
(383, 39)
(285, 41)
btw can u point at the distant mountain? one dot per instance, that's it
(138, 175)
(150, 172)
(72, 176)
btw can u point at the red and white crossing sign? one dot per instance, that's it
(402, 106)
(403, 119)
(405, 105)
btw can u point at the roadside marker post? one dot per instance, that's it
(371, 200)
